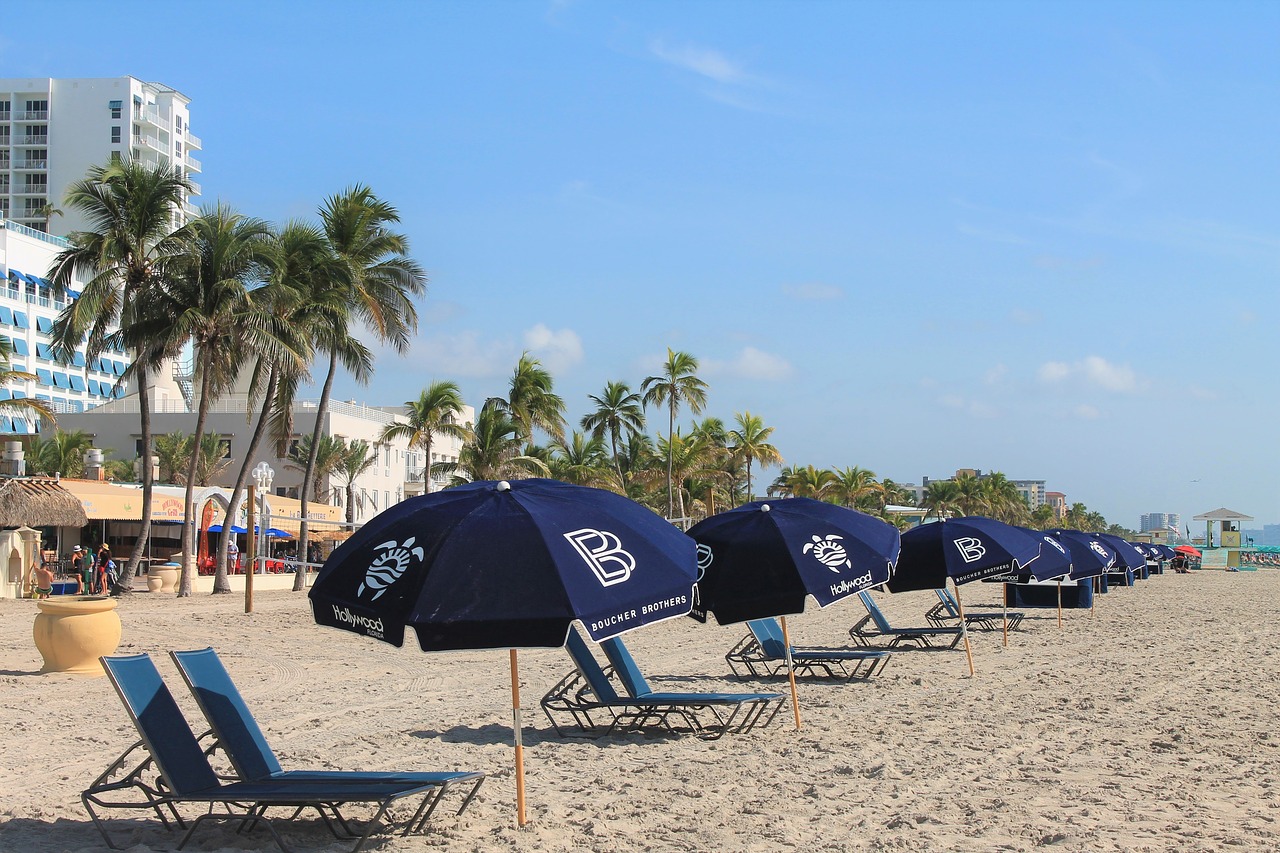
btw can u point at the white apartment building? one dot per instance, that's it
(27, 312)
(53, 130)
(395, 475)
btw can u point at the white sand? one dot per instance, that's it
(1148, 726)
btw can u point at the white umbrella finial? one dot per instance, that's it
(503, 486)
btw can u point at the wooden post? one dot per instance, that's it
(791, 672)
(515, 714)
(1004, 616)
(964, 628)
(1060, 604)
(248, 578)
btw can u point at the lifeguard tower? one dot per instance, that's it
(1224, 551)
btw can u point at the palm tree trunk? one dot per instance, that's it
(748, 479)
(671, 429)
(426, 467)
(220, 582)
(300, 579)
(125, 582)
(188, 508)
(617, 460)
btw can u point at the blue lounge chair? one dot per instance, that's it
(763, 654)
(875, 627)
(589, 689)
(240, 737)
(185, 775)
(947, 611)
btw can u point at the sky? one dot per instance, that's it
(1036, 238)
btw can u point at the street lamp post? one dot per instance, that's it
(263, 474)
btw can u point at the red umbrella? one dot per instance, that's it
(1187, 549)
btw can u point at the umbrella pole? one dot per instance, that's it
(1059, 604)
(964, 628)
(791, 672)
(515, 715)
(1004, 614)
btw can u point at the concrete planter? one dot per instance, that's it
(72, 633)
(163, 578)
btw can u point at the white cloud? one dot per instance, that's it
(1024, 317)
(558, 350)
(1093, 370)
(972, 408)
(464, 354)
(700, 60)
(1086, 412)
(751, 363)
(1053, 371)
(995, 374)
(813, 291)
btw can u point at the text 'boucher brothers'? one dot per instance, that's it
(629, 615)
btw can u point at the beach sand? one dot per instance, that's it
(1148, 725)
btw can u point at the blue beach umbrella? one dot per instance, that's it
(1090, 557)
(962, 550)
(1128, 557)
(507, 565)
(763, 558)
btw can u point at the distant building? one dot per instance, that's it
(53, 130)
(1058, 501)
(1268, 535)
(1159, 521)
(28, 309)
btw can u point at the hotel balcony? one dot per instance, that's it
(29, 165)
(33, 140)
(193, 164)
(196, 189)
(152, 116)
(149, 141)
(194, 141)
(31, 115)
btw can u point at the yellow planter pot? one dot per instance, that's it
(163, 580)
(72, 633)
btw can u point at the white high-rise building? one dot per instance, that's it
(28, 310)
(53, 130)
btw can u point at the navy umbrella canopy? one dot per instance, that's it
(1053, 561)
(961, 549)
(1127, 556)
(762, 558)
(1090, 556)
(507, 565)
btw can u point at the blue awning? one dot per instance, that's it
(77, 382)
(20, 320)
(43, 376)
(6, 315)
(19, 425)
(77, 358)
(20, 276)
(61, 380)
(93, 386)
(119, 367)
(5, 394)
(119, 392)
(44, 324)
(44, 351)
(20, 347)
(6, 425)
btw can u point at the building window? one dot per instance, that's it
(37, 106)
(116, 106)
(115, 135)
(37, 183)
(177, 121)
(226, 448)
(115, 156)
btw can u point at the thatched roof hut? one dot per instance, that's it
(39, 503)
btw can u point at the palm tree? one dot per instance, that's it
(619, 414)
(208, 300)
(750, 442)
(173, 450)
(810, 482)
(123, 258)
(856, 487)
(678, 383)
(355, 460)
(211, 460)
(62, 454)
(692, 458)
(380, 281)
(1043, 517)
(941, 498)
(325, 459)
(582, 461)
(435, 412)
(893, 493)
(532, 403)
(47, 212)
(493, 451)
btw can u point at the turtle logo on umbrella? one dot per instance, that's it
(388, 566)
(829, 552)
